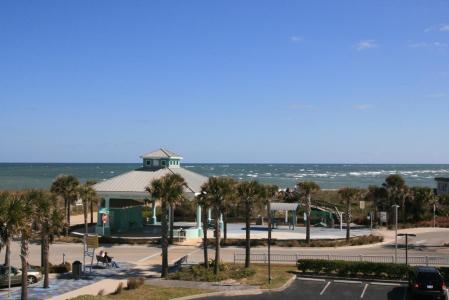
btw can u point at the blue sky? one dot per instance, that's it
(225, 81)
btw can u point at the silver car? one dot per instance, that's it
(16, 276)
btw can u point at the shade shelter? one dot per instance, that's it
(288, 208)
(123, 196)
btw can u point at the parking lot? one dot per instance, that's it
(312, 288)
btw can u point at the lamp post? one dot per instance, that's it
(434, 213)
(396, 233)
(269, 241)
(406, 244)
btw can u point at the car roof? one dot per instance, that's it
(427, 269)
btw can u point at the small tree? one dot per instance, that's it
(306, 189)
(167, 189)
(250, 194)
(349, 196)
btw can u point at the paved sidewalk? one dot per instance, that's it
(64, 283)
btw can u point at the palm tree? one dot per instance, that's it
(218, 190)
(203, 201)
(349, 196)
(92, 201)
(50, 218)
(10, 212)
(250, 193)
(397, 192)
(25, 220)
(88, 196)
(230, 203)
(306, 189)
(167, 189)
(66, 186)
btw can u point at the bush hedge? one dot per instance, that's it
(200, 273)
(354, 269)
(61, 268)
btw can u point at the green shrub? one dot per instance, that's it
(354, 269)
(200, 273)
(61, 268)
(134, 283)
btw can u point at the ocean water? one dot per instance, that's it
(328, 176)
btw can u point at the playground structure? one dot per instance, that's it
(323, 214)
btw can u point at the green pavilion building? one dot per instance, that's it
(124, 196)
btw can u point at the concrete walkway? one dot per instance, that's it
(107, 286)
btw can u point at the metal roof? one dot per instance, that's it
(161, 153)
(283, 206)
(443, 179)
(135, 182)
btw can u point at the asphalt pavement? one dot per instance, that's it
(310, 288)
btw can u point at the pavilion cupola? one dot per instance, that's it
(161, 158)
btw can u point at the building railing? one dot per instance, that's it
(293, 258)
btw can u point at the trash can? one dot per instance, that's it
(76, 269)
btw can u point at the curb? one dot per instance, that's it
(240, 292)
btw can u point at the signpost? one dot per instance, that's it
(104, 216)
(91, 243)
(269, 241)
(406, 244)
(396, 233)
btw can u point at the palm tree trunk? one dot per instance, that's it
(205, 227)
(217, 241)
(225, 228)
(8, 252)
(68, 215)
(308, 213)
(308, 227)
(164, 239)
(404, 217)
(248, 235)
(91, 212)
(86, 227)
(46, 247)
(171, 223)
(23, 259)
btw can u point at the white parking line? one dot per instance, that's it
(364, 290)
(325, 287)
(310, 279)
(386, 283)
(348, 281)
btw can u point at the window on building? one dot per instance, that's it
(163, 162)
(148, 162)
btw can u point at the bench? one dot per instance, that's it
(103, 260)
(179, 263)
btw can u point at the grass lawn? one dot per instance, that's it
(149, 292)
(280, 274)
(257, 275)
